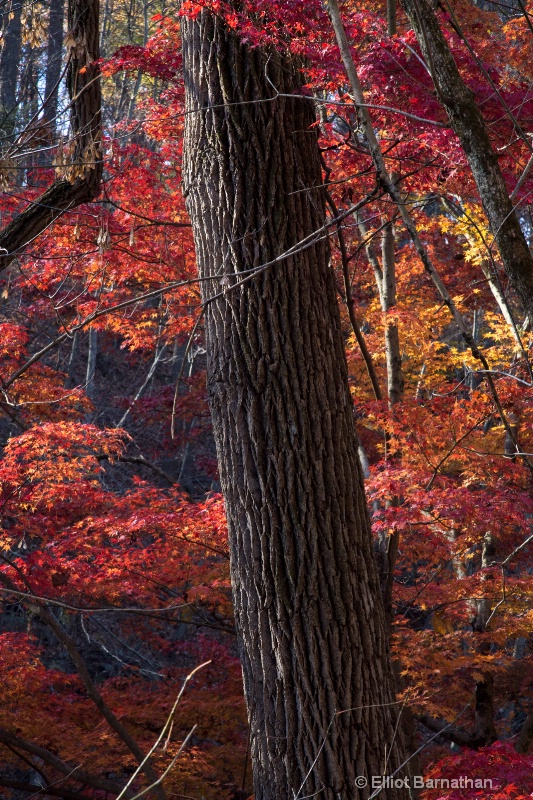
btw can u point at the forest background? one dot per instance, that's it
(114, 576)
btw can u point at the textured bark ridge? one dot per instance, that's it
(82, 182)
(307, 602)
(469, 125)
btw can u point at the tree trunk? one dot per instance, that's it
(395, 382)
(385, 275)
(84, 174)
(54, 54)
(484, 728)
(92, 353)
(391, 17)
(70, 381)
(9, 68)
(106, 22)
(525, 737)
(308, 610)
(468, 124)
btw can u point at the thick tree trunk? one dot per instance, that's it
(308, 609)
(84, 174)
(468, 124)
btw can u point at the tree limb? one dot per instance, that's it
(81, 182)
(94, 781)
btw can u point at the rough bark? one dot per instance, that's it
(84, 173)
(468, 124)
(310, 620)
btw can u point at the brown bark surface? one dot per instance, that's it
(307, 602)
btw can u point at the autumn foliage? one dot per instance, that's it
(111, 517)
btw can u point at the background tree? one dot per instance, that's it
(54, 52)
(81, 171)
(9, 65)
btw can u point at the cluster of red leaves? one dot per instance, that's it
(147, 552)
(509, 773)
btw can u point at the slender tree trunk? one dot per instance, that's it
(385, 275)
(391, 17)
(387, 545)
(71, 368)
(395, 382)
(350, 304)
(28, 99)
(54, 55)
(484, 728)
(138, 81)
(468, 124)
(106, 21)
(92, 353)
(9, 68)
(501, 302)
(308, 610)
(525, 737)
